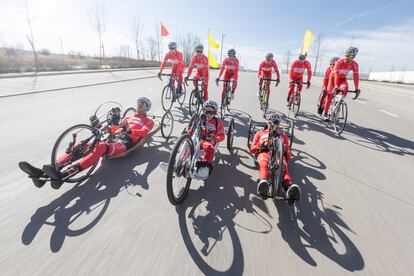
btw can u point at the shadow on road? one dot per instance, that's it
(210, 212)
(90, 200)
(323, 228)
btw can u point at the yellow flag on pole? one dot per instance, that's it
(212, 62)
(307, 41)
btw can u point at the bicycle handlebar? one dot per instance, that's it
(349, 91)
(298, 82)
(196, 80)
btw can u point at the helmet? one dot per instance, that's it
(302, 56)
(199, 48)
(231, 53)
(353, 51)
(273, 117)
(210, 104)
(269, 56)
(334, 59)
(144, 101)
(172, 45)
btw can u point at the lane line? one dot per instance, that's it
(358, 101)
(388, 113)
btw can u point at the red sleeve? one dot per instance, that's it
(254, 147)
(259, 72)
(274, 64)
(336, 74)
(236, 70)
(164, 62)
(355, 71)
(291, 70)
(222, 67)
(144, 130)
(220, 132)
(326, 78)
(180, 58)
(190, 68)
(308, 66)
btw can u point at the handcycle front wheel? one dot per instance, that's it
(230, 135)
(71, 146)
(167, 125)
(130, 112)
(179, 165)
(167, 98)
(276, 158)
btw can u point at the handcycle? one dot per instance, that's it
(226, 97)
(276, 150)
(196, 96)
(170, 94)
(184, 156)
(81, 139)
(295, 99)
(264, 94)
(338, 110)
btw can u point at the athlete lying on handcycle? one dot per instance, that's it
(122, 135)
(261, 149)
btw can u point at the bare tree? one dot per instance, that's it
(158, 43)
(97, 18)
(286, 60)
(187, 43)
(152, 47)
(318, 50)
(124, 51)
(137, 29)
(30, 36)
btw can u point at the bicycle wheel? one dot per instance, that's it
(193, 105)
(276, 159)
(250, 134)
(223, 105)
(230, 135)
(179, 165)
(130, 112)
(167, 98)
(181, 99)
(266, 102)
(296, 105)
(167, 124)
(71, 146)
(289, 132)
(340, 116)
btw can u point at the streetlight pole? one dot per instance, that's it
(221, 53)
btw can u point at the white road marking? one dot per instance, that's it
(388, 113)
(358, 101)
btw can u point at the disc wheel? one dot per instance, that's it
(72, 145)
(276, 159)
(167, 125)
(179, 165)
(167, 98)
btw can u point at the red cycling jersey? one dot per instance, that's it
(231, 67)
(201, 63)
(265, 69)
(326, 78)
(176, 59)
(297, 69)
(342, 69)
(215, 128)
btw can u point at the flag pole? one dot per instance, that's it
(221, 53)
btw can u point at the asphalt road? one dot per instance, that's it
(355, 214)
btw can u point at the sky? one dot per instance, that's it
(383, 30)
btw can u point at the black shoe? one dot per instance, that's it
(263, 188)
(34, 173)
(287, 99)
(55, 176)
(320, 110)
(293, 193)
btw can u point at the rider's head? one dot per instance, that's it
(210, 109)
(231, 53)
(273, 120)
(143, 105)
(172, 46)
(199, 49)
(350, 54)
(269, 57)
(302, 57)
(333, 60)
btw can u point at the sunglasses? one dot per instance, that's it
(199, 52)
(171, 49)
(210, 112)
(143, 104)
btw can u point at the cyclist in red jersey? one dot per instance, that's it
(128, 133)
(338, 79)
(325, 83)
(260, 149)
(200, 61)
(231, 67)
(265, 71)
(297, 69)
(176, 59)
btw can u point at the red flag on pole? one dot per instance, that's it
(164, 31)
